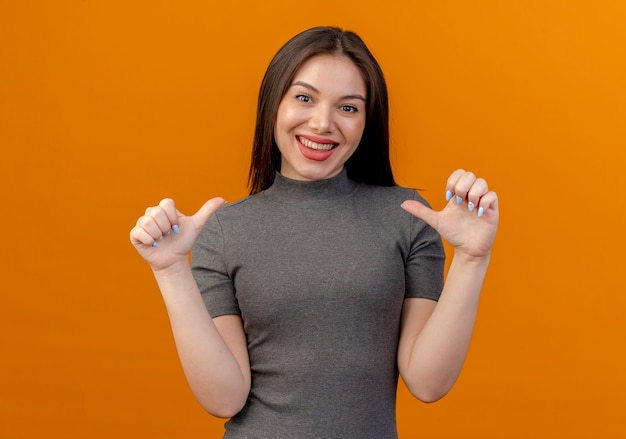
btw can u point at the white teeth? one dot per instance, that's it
(314, 145)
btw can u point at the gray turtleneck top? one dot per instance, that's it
(318, 272)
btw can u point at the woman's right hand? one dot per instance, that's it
(164, 237)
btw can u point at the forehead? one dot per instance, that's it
(332, 71)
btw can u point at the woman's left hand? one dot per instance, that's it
(470, 219)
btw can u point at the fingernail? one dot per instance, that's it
(470, 206)
(167, 233)
(448, 195)
(480, 212)
(175, 228)
(459, 200)
(155, 244)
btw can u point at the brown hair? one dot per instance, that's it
(370, 162)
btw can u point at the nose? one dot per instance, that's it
(321, 120)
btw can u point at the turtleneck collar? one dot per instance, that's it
(286, 189)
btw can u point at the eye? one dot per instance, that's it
(349, 108)
(303, 98)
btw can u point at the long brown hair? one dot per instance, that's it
(370, 162)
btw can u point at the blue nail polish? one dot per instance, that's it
(448, 195)
(459, 200)
(175, 228)
(480, 212)
(470, 206)
(155, 244)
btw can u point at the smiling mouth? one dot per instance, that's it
(317, 146)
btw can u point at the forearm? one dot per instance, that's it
(218, 381)
(432, 361)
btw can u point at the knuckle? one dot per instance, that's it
(166, 202)
(152, 211)
(144, 221)
(479, 188)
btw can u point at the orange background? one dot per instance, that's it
(108, 106)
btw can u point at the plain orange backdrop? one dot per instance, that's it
(108, 106)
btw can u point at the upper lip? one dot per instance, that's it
(316, 139)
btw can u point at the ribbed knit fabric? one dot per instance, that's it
(318, 272)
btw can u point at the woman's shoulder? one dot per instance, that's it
(242, 206)
(390, 194)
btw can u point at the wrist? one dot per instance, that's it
(176, 282)
(172, 271)
(470, 259)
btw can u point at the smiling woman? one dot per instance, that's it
(305, 299)
(370, 162)
(321, 118)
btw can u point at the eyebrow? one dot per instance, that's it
(312, 88)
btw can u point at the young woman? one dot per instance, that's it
(305, 299)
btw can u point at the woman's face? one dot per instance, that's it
(321, 118)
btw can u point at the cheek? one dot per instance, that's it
(282, 129)
(292, 117)
(357, 131)
(281, 123)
